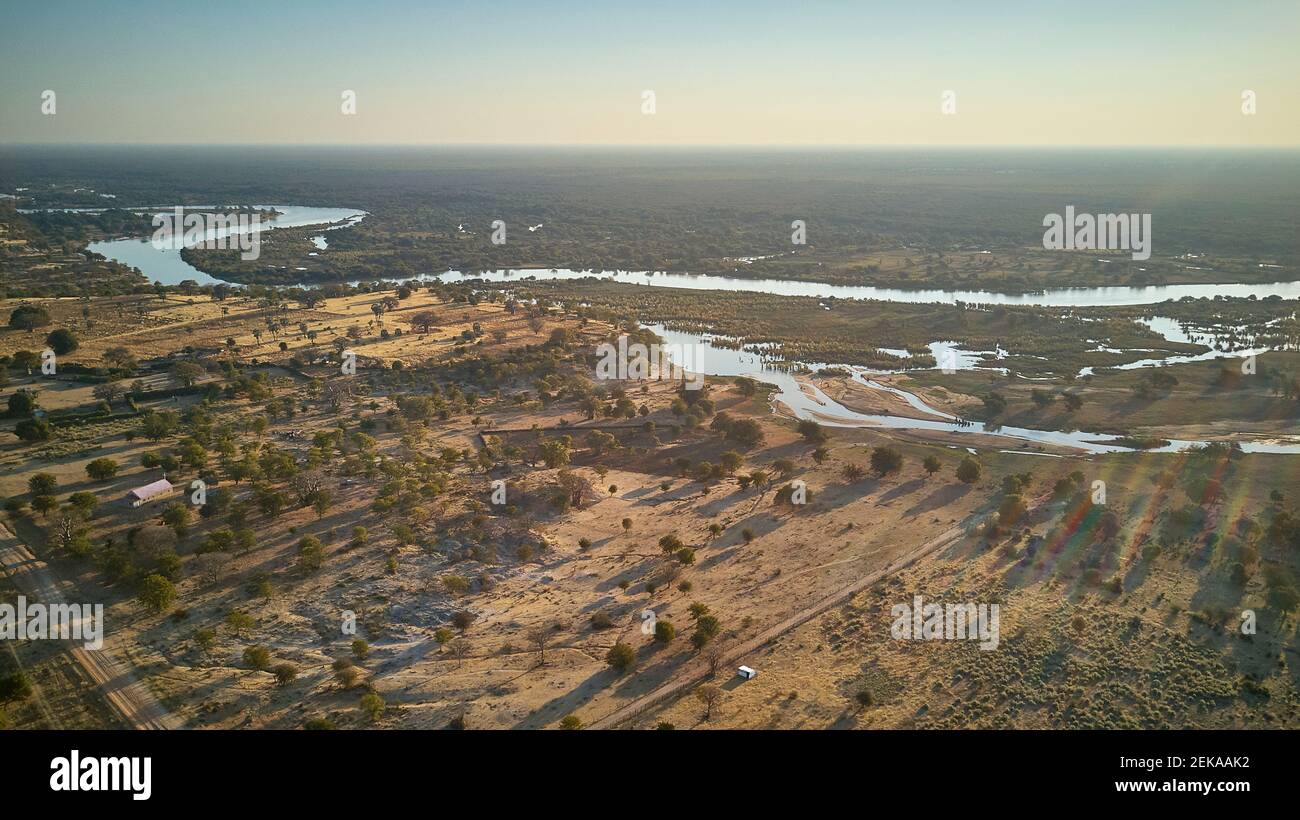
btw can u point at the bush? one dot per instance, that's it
(885, 460)
(14, 686)
(621, 657)
(257, 657)
(62, 341)
(968, 472)
(22, 403)
(373, 706)
(311, 554)
(571, 722)
(664, 632)
(285, 673)
(33, 430)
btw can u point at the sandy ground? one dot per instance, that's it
(762, 576)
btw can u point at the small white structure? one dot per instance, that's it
(746, 673)
(149, 492)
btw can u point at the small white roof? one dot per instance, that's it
(152, 489)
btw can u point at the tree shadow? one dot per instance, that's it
(941, 497)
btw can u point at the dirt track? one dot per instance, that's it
(696, 671)
(125, 694)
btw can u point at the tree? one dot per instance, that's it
(621, 657)
(745, 432)
(932, 465)
(84, 502)
(372, 705)
(24, 360)
(994, 403)
(1011, 510)
(346, 673)
(968, 472)
(29, 317)
(177, 516)
(423, 320)
(101, 469)
(22, 403)
(220, 540)
(33, 430)
(311, 554)
(42, 484)
(555, 453)
(15, 686)
(108, 392)
(360, 649)
(664, 631)
(709, 695)
(187, 373)
(62, 341)
(240, 622)
(45, 504)
(154, 541)
(119, 358)
(66, 531)
(459, 648)
(670, 543)
(1073, 401)
(158, 425)
(320, 502)
(156, 593)
(730, 461)
(885, 460)
(205, 639)
(539, 637)
(812, 432)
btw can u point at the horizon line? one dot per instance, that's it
(667, 146)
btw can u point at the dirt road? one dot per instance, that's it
(696, 671)
(124, 693)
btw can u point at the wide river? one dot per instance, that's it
(806, 401)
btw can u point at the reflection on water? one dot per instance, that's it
(1059, 297)
(809, 402)
(166, 266)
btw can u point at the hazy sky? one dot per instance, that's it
(1038, 72)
